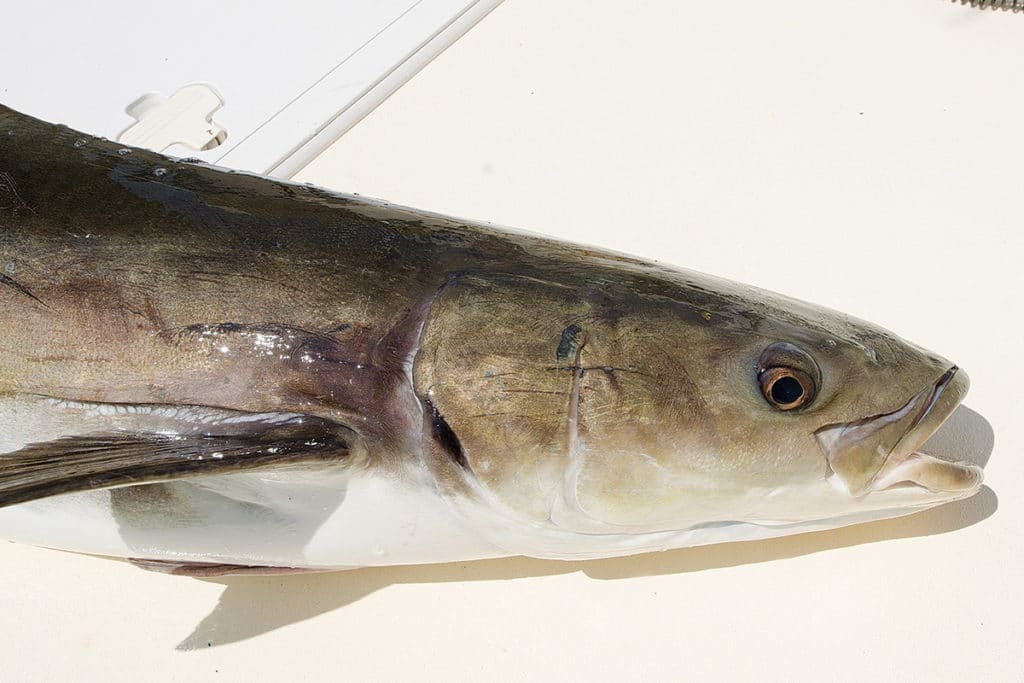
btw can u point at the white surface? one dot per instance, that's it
(861, 154)
(294, 76)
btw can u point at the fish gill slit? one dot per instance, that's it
(446, 436)
(440, 430)
(574, 399)
(574, 461)
(418, 315)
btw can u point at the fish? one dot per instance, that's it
(206, 371)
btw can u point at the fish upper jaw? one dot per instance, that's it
(881, 452)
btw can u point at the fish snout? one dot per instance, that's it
(881, 451)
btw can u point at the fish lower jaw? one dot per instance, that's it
(876, 454)
(932, 474)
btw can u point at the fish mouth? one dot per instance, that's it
(881, 452)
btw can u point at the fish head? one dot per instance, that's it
(647, 409)
(773, 412)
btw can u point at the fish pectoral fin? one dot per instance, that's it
(95, 461)
(213, 569)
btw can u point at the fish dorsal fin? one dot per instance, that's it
(104, 460)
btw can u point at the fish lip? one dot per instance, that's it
(882, 459)
(907, 465)
(939, 405)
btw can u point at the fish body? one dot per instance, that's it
(204, 368)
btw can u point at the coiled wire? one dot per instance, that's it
(1005, 5)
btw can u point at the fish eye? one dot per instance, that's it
(786, 388)
(788, 376)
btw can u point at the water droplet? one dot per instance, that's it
(80, 143)
(159, 172)
(124, 151)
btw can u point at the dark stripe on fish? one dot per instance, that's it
(444, 435)
(14, 284)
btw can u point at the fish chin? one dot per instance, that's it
(878, 458)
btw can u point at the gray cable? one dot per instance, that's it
(1005, 5)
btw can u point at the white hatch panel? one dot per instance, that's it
(261, 87)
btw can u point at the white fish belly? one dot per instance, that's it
(242, 519)
(293, 517)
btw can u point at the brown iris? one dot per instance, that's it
(786, 388)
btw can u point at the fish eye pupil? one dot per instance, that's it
(788, 376)
(786, 390)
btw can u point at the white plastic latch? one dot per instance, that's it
(184, 118)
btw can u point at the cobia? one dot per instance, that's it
(211, 371)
